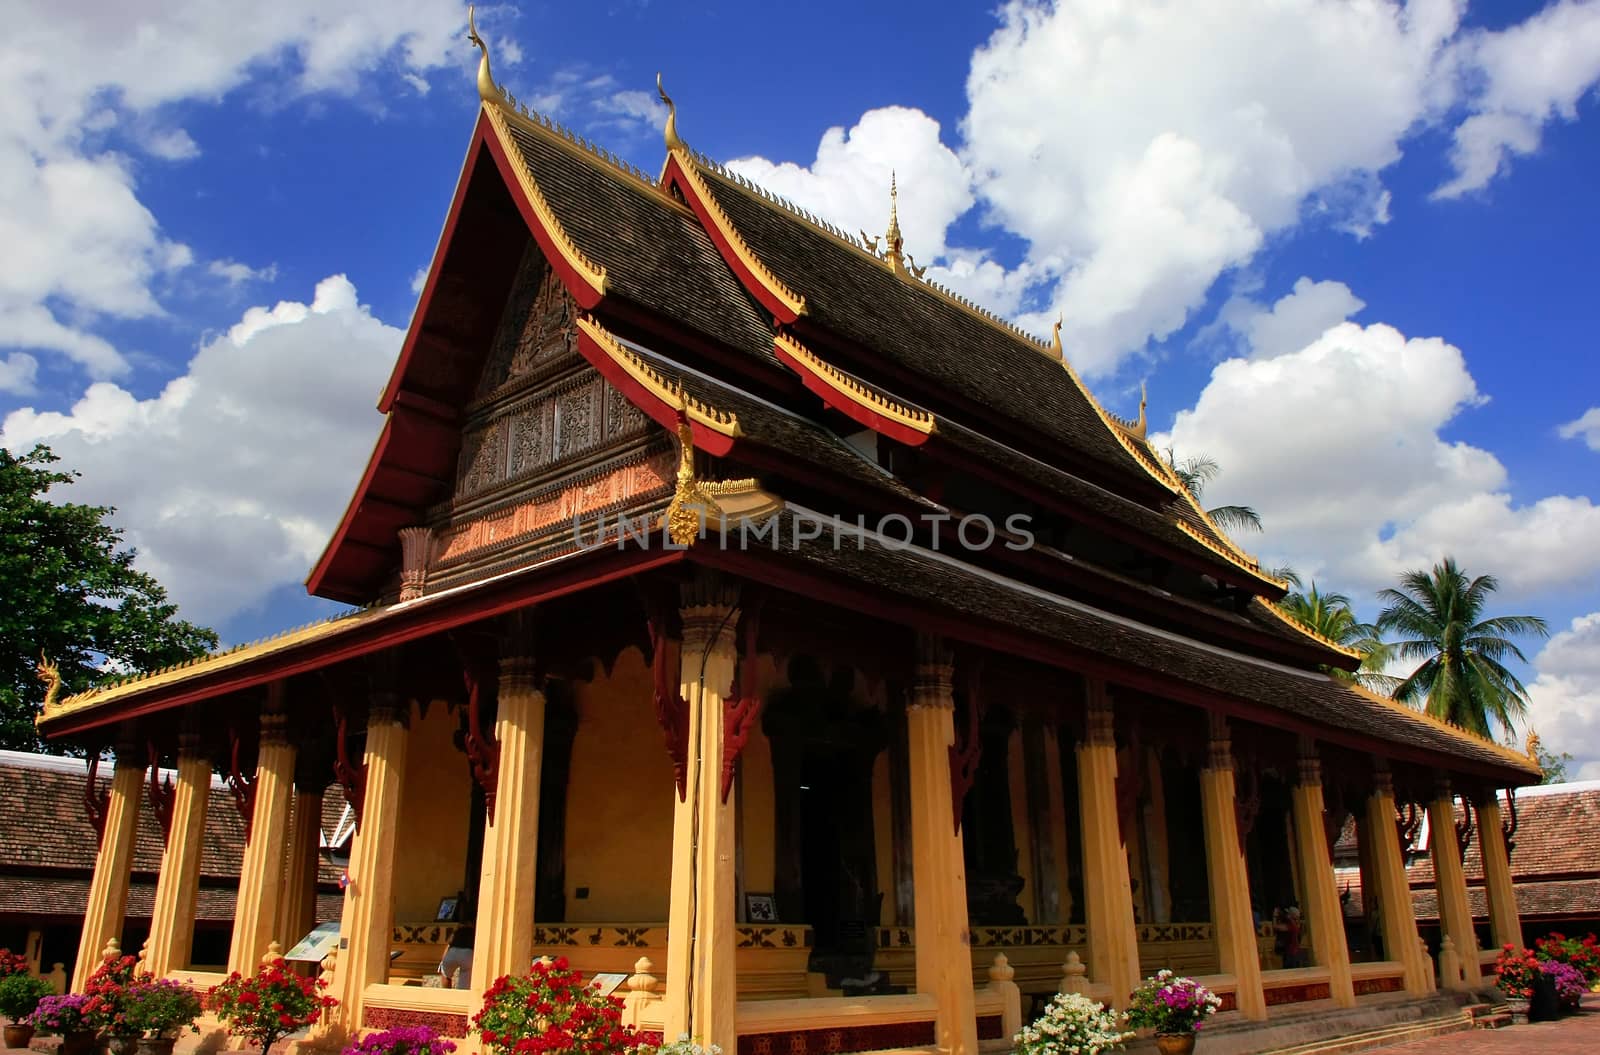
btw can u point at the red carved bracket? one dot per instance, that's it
(95, 801)
(672, 710)
(162, 791)
(352, 778)
(1464, 826)
(1408, 825)
(1508, 824)
(243, 788)
(968, 746)
(1246, 803)
(741, 705)
(483, 751)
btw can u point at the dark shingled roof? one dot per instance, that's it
(919, 329)
(940, 581)
(654, 251)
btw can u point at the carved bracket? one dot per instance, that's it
(352, 778)
(483, 751)
(95, 801)
(1464, 826)
(1508, 824)
(1130, 778)
(1333, 815)
(1246, 802)
(741, 706)
(672, 710)
(968, 746)
(162, 791)
(243, 788)
(1408, 825)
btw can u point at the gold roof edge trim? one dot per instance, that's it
(725, 422)
(593, 274)
(856, 391)
(1233, 556)
(177, 672)
(1508, 753)
(1311, 632)
(795, 302)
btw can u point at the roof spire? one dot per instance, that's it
(1140, 427)
(894, 242)
(670, 133)
(1055, 338)
(488, 91)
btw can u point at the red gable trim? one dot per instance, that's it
(857, 411)
(660, 411)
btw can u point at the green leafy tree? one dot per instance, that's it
(69, 591)
(1194, 473)
(1331, 615)
(1461, 674)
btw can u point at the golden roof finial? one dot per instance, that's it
(1055, 337)
(488, 91)
(50, 674)
(670, 133)
(1140, 427)
(894, 242)
(1533, 745)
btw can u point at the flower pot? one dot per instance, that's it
(1175, 1043)
(78, 1042)
(18, 1036)
(157, 1045)
(1519, 1010)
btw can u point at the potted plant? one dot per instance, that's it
(12, 963)
(402, 1040)
(158, 1009)
(66, 1016)
(269, 1005)
(1568, 983)
(1072, 1024)
(552, 1009)
(1173, 1006)
(1515, 973)
(20, 994)
(685, 1046)
(106, 1010)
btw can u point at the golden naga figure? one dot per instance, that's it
(50, 674)
(691, 502)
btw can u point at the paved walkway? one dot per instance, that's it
(1571, 1035)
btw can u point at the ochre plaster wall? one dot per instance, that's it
(619, 801)
(435, 804)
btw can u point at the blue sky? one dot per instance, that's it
(1350, 250)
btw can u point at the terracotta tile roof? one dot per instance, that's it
(44, 897)
(45, 827)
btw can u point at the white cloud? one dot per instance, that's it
(1586, 428)
(419, 280)
(229, 481)
(1521, 79)
(1564, 699)
(17, 372)
(1293, 321)
(1338, 447)
(86, 94)
(848, 182)
(235, 273)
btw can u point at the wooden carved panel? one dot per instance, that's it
(558, 506)
(532, 435)
(536, 328)
(578, 419)
(483, 459)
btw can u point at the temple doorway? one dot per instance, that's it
(824, 746)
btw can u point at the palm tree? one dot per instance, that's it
(1331, 615)
(1194, 473)
(1461, 677)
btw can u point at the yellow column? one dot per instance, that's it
(255, 917)
(368, 916)
(1504, 922)
(178, 885)
(107, 905)
(702, 986)
(504, 931)
(1225, 867)
(944, 962)
(1450, 881)
(1400, 938)
(1323, 913)
(298, 913)
(1107, 892)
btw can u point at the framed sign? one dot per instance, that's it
(606, 984)
(316, 945)
(761, 908)
(449, 910)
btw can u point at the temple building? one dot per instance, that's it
(746, 615)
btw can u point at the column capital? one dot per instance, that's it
(520, 674)
(708, 610)
(1383, 781)
(1099, 718)
(388, 708)
(933, 678)
(274, 728)
(1443, 790)
(416, 548)
(1219, 747)
(1310, 770)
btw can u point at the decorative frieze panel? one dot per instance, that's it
(613, 487)
(536, 435)
(537, 327)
